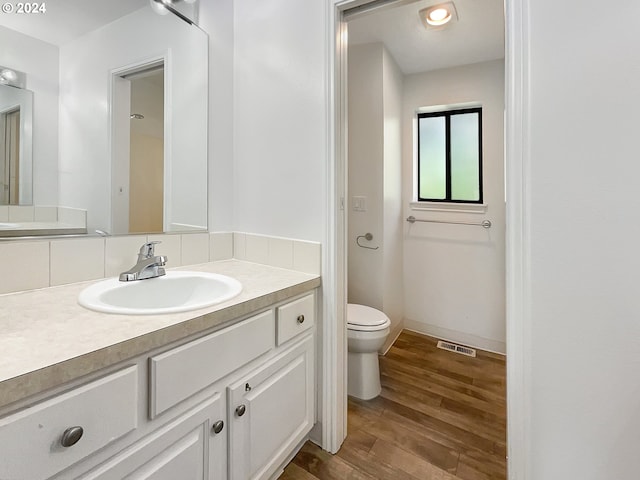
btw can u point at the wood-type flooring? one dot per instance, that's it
(440, 416)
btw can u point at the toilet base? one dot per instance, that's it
(363, 380)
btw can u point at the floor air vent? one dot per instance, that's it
(452, 347)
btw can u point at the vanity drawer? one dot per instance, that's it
(295, 317)
(179, 373)
(31, 440)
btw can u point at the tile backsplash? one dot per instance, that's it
(31, 264)
(278, 252)
(24, 266)
(51, 214)
(76, 260)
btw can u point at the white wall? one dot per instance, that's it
(366, 162)
(280, 150)
(392, 263)
(216, 18)
(375, 110)
(454, 274)
(582, 337)
(85, 68)
(39, 60)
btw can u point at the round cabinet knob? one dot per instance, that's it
(300, 319)
(71, 436)
(218, 426)
(240, 410)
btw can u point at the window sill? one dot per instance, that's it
(449, 207)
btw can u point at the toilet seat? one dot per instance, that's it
(366, 319)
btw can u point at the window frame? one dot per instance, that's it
(447, 114)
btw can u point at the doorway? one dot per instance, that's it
(10, 157)
(342, 146)
(146, 166)
(139, 150)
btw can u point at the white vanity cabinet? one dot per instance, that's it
(271, 410)
(230, 404)
(186, 448)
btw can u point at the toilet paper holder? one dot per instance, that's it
(368, 237)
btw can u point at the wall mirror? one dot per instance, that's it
(118, 121)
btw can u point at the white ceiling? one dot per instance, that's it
(477, 36)
(65, 20)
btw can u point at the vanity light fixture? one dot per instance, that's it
(437, 16)
(158, 6)
(12, 78)
(8, 75)
(162, 7)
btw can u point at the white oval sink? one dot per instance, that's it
(178, 291)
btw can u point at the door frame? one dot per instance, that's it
(115, 89)
(518, 281)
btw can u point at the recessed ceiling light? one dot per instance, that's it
(438, 15)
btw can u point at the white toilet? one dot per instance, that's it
(367, 330)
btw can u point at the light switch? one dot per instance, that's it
(359, 204)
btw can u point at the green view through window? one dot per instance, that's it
(450, 156)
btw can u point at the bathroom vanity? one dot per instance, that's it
(222, 392)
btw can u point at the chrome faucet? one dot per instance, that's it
(148, 265)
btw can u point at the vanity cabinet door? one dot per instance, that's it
(191, 447)
(270, 411)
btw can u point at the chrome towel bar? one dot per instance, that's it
(483, 224)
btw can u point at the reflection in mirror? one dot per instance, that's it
(10, 156)
(15, 145)
(75, 57)
(147, 159)
(138, 166)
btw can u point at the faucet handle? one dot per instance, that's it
(147, 250)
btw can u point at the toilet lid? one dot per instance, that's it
(359, 316)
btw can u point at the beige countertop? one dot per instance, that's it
(47, 339)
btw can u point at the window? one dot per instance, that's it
(450, 156)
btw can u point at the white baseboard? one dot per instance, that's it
(467, 339)
(393, 336)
